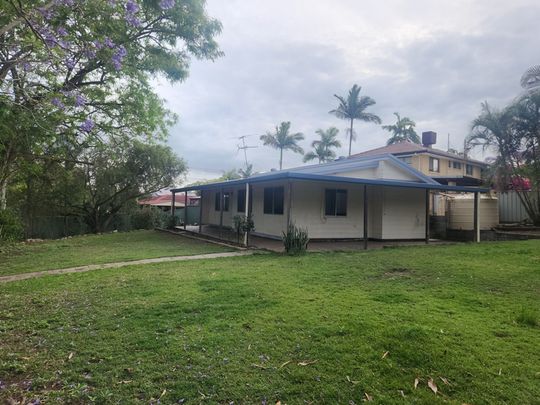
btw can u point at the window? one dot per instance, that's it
(241, 201)
(273, 200)
(406, 159)
(449, 164)
(456, 165)
(469, 169)
(217, 201)
(335, 203)
(433, 164)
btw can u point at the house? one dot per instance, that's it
(164, 201)
(364, 197)
(444, 167)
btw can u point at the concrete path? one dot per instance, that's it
(91, 267)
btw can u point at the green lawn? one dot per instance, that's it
(97, 249)
(301, 330)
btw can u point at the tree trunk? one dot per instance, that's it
(280, 159)
(350, 137)
(3, 194)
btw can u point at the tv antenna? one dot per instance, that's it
(245, 147)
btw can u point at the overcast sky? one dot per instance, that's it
(431, 60)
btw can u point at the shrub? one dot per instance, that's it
(171, 221)
(243, 225)
(295, 240)
(11, 228)
(148, 218)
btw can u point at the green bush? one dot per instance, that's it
(243, 225)
(11, 228)
(295, 240)
(148, 218)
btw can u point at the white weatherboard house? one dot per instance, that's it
(374, 197)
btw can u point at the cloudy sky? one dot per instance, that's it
(434, 61)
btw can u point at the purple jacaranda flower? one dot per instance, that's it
(68, 3)
(131, 7)
(166, 4)
(118, 57)
(87, 125)
(97, 44)
(61, 31)
(26, 66)
(58, 103)
(46, 13)
(80, 100)
(90, 53)
(70, 63)
(108, 42)
(133, 21)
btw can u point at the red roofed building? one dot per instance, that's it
(163, 201)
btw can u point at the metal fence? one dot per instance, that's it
(511, 209)
(192, 215)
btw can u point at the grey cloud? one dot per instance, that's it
(438, 80)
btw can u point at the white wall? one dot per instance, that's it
(403, 213)
(308, 210)
(394, 213)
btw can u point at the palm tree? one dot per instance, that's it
(402, 131)
(283, 140)
(247, 172)
(354, 108)
(531, 78)
(322, 147)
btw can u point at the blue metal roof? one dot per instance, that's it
(291, 175)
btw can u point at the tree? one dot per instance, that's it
(229, 175)
(514, 133)
(402, 131)
(247, 172)
(80, 71)
(117, 175)
(531, 78)
(283, 140)
(323, 147)
(354, 108)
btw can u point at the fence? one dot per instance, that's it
(192, 215)
(56, 227)
(511, 209)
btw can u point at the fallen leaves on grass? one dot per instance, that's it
(259, 366)
(351, 381)
(307, 362)
(284, 364)
(369, 398)
(445, 380)
(416, 381)
(71, 355)
(431, 384)
(384, 355)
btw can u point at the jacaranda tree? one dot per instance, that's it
(75, 74)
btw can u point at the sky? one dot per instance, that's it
(431, 60)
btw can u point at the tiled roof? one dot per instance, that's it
(165, 199)
(404, 148)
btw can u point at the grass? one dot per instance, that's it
(98, 249)
(310, 329)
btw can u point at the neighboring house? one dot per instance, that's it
(444, 167)
(163, 201)
(376, 197)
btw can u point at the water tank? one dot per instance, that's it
(461, 212)
(429, 138)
